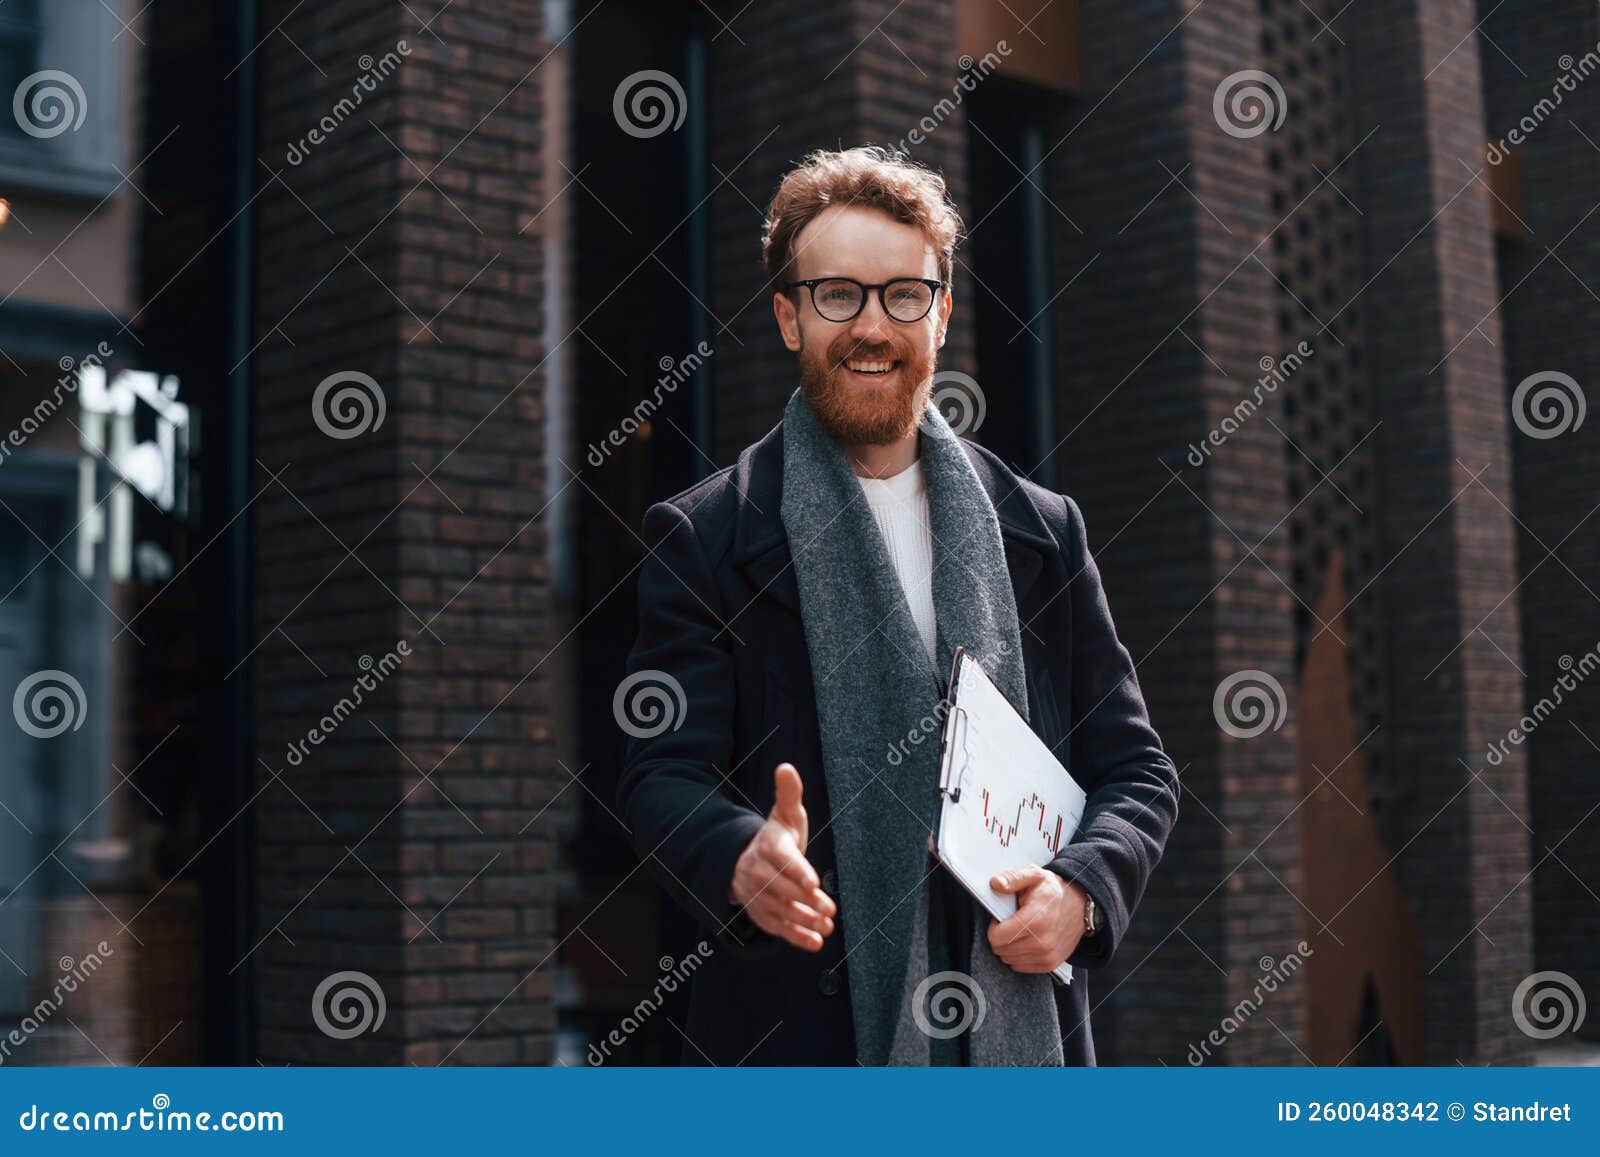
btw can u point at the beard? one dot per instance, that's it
(872, 413)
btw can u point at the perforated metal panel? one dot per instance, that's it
(1328, 410)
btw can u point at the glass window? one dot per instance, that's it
(19, 48)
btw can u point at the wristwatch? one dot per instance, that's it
(1091, 916)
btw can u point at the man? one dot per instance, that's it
(807, 601)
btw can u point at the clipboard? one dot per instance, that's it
(1005, 800)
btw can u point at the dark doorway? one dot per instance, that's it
(642, 423)
(1012, 219)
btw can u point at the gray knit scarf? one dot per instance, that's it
(875, 689)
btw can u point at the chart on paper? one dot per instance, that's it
(1027, 812)
(1007, 800)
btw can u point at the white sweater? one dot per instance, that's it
(900, 507)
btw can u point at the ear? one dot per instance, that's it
(788, 320)
(945, 306)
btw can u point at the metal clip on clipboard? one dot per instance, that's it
(958, 715)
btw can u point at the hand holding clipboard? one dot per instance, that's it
(1006, 801)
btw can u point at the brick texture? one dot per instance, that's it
(1447, 540)
(1163, 329)
(1549, 274)
(419, 844)
(414, 845)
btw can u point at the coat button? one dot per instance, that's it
(829, 983)
(830, 882)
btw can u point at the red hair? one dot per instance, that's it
(869, 176)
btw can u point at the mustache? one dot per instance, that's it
(885, 353)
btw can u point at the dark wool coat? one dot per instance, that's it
(720, 613)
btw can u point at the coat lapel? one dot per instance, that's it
(760, 544)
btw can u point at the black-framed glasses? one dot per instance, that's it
(905, 299)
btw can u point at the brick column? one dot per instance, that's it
(788, 79)
(1162, 332)
(413, 843)
(1447, 545)
(1552, 323)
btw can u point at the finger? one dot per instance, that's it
(808, 917)
(783, 915)
(775, 887)
(814, 898)
(1048, 951)
(1032, 967)
(1011, 931)
(1030, 948)
(788, 810)
(1019, 962)
(1027, 958)
(803, 938)
(785, 857)
(1020, 931)
(782, 889)
(779, 888)
(1016, 880)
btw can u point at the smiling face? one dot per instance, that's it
(866, 379)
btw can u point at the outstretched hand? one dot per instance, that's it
(774, 882)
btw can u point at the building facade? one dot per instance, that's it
(410, 311)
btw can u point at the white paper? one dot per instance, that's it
(1016, 804)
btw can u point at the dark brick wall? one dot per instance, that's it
(1170, 309)
(781, 89)
(1361, 1006)
(1434, 345)
(1162, 336)
(1549, 274)
(415, 845)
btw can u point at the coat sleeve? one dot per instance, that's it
(1116, 756)
(673, 795)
